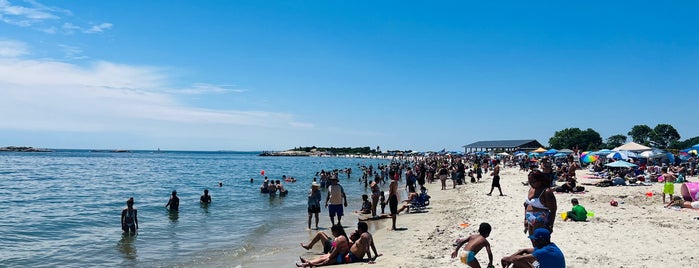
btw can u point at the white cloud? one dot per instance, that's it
(98, 28)
(44, 18)
(12, 49)
(72, 52)
(109, 97)
(202, 88)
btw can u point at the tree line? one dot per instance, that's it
(661, 136)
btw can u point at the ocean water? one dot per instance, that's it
(63, 208)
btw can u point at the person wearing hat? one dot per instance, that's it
(333, 201)
(174, 202)
(313, 203)
(547, 254)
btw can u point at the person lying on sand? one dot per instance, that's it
(678, 201)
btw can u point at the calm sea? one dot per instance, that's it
(62, 208)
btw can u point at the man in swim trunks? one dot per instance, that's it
(363, 245)
(393, 201)
(205, 198)
(475, 242)
(544, 254)
(336, 194)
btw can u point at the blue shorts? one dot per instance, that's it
(335, 209)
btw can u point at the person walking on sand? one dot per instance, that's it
(174, 203)
(129, 218)
(393, 202)
(475, 242)
(333, 201)
(544, 253)
(496, 180)
(314, 203)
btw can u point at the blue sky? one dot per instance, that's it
(272, 75)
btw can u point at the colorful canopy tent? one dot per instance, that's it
(540, 150)
(632, 146)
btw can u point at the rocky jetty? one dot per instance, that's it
(23, 149)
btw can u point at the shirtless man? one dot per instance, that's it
(475, 242)
(362, 245)
(496, 180)
(393, 201)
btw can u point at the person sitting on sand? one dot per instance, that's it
(475, 242)
(678, 201)
(578, 213)
(338, 249)
(366, 205)
(362, 243)
(544, 252)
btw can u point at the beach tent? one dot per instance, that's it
(565, 151)
(620, 164)
(632, 146)
(540, 150)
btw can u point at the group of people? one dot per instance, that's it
(342, 248)
(271, 187)
(539, 215)
(129, 215)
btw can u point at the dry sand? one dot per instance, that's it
(637, 233)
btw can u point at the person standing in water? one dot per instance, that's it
(174, 202)
(205, 198)
(129, 218)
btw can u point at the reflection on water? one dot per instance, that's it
(127, 248)
(173, 215)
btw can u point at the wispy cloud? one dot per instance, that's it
(72, 52)
(202, 88)
(44, 18)
(11, 49)
(107, 96)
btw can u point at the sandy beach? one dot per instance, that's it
(637, 233)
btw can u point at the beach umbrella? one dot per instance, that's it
(503, 154)
(620, 164)
(603, 152)
(695, 146)
(589, 158)
(551, 152)
(560, 155)
(583, 154)
(520, 153)
(652, 154)
(693, 151)
(540, 150)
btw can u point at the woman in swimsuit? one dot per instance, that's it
(540, 206)
(340, 247)
(129, 218)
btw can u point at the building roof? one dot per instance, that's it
(503, 144)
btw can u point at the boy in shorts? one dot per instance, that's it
(475, 242)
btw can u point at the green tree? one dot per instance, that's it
(663, 135)
(685, 143)
(641, 134)
(571, 137)
(615, 141)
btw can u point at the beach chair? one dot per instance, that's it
(421, 202)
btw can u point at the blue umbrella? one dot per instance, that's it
(551, 152)
(560, 155)
(620, 164)
(603, 152)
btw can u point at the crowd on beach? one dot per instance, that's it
(546, 176)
